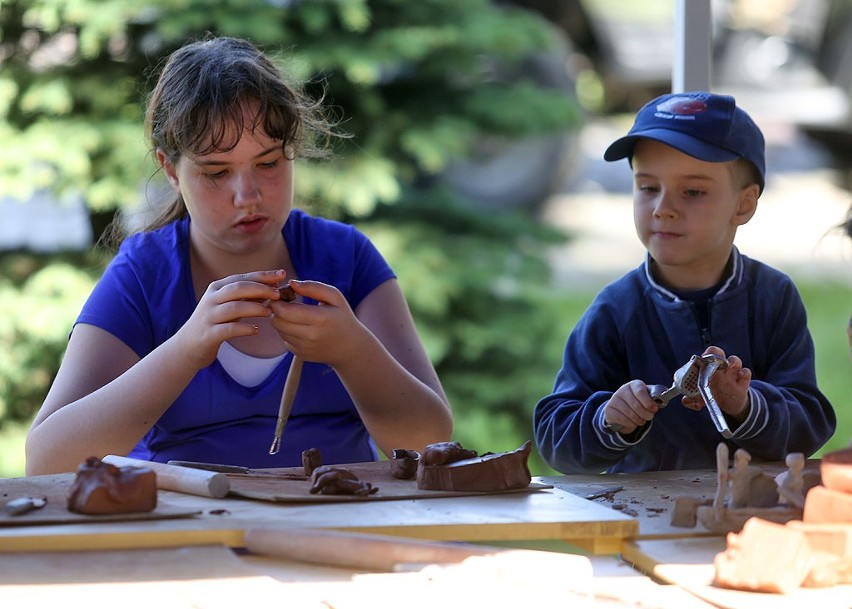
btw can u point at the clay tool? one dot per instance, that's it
(287, 397)
(693, 379)
(238, 471)
(290, 385)
(604, 492)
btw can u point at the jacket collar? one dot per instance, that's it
(732, 280)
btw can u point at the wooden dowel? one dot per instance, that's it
(181, 479)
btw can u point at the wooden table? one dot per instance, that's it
(192, 558)
(548, 514)
(650, 496)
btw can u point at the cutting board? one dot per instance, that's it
(55, 488)
(650, 496)
(290, 485)
(688, 563)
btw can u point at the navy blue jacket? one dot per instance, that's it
(637, 329)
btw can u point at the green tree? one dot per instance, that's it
(419, 85)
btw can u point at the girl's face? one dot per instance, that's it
(238, 200)
(686, 213)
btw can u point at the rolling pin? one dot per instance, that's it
(181, 479)
(355, 550)
(386, 553)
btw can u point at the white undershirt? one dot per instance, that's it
(247, 370)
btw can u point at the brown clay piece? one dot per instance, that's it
(311, 459)
(332, 480)
(686, 511)
(764, 557)
(836, 470)
(486, 473)
(828, 505)
(403, 463)
(103, 488)
(442, 453)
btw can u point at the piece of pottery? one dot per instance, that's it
(836, 470)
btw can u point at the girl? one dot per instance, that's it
(182, 349)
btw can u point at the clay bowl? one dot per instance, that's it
(836, 470)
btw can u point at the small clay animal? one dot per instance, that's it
(330, 480)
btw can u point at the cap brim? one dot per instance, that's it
(622, 148)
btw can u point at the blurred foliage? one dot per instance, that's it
(417, 85)
(40, 297)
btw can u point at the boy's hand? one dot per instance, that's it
(630, 407)
(729, 386)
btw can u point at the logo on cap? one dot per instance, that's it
(681, 106)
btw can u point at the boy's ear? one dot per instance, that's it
(747, 203)
(168, 168)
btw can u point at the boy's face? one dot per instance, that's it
(686, 213)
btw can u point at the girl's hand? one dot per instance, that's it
(729, 386)
(326, 332)
(220, 314)
(630, 407)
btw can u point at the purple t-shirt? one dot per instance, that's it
(146, 294)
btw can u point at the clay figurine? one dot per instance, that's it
(331, 480)
(744, 491)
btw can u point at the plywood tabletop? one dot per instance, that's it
(544, 514)
(649, 496)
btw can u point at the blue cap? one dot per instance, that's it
(706, 126)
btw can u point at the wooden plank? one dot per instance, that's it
(688, 563)
(51, 568)
(55, 489)
(209, 577)
(212, 577)
(291, 486)
(650, 496)
(546, 514)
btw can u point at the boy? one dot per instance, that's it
(698, 168)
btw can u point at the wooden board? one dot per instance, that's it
(213, 577)
(55, 489)
(688, 563)
(204, 577)
(650, 496)
(545, 514)
(291, 486)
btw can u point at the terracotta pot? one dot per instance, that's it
(836, 470)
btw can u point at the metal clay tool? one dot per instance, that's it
(693, 379)
(290, 385)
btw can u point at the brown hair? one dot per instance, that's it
(744, 173)
(204, 89)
